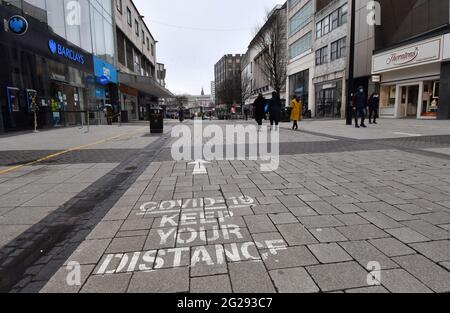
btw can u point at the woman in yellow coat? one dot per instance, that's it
(296, 112)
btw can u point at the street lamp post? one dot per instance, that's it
(351, 67)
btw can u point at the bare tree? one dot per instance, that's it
(246, 87)
(272, 42)
(230, 90)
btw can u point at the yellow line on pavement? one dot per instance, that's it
(54, 155)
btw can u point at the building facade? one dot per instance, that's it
(254, 80)
(136, 62)
(60, 66)
(330, 46)
(226, 71)
(411, 59)
(300, 36)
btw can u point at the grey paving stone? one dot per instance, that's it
(438, 218)
(407, 235)
(323, 208)
(262, 238)
(269, 209)
(438, 251)
(309, 198)
(375, 206)
(303, 211)
(364, 253)
(362, 232)
(161, 238)
(392, 247)
(412, 209)
(283, 218)
(400, 215)
(445, 265)
(89, 252)
(347, 208)
(160, 281)
(105, 230)
(259, 224)
(287, 258)
(351, 219)
(116, 283)
(320, 221)
(126, 244)
(369, 290)
(140, 224)
(293, 280)
(235, 234)
(329, 253)
(58, 282)
(338, 276)
(250, 277)
(380, 220)
(400, 281)
(428, 230)
(202, 268)
(211, 284)
(296, 234)
(327, 235)
(429, 273)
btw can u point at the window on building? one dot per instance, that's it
(130, 62)
(343, 14)
(129, 17)
(300, 46)
(143, 37)
(301, 18)
(338, 49)
(153, 49)
(121, 48)
(136, 26)
(319, 29)
(148, 44)
(335, 19)
(119, 5)
(322, 56)
(326, 25)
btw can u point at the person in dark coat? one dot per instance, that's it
(374, 106)
(360, 107)
(275, 110)
(258, 107)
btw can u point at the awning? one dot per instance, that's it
(145, 84)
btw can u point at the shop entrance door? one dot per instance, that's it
(409, 101)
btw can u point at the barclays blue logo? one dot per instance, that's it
(65, 52)
(18, 25)
(52, 46)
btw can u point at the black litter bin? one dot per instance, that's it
(156, 120)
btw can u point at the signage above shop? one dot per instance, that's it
(17, 25)
(446, 53)
(65, 52)
(105, 73)
(420, 53)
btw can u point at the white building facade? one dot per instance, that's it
(300, 68)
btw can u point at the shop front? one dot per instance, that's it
(329, 99)
(106, 90)
(410, 80)
(299, 86)
(44, 78)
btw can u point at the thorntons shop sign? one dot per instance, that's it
(419, 53)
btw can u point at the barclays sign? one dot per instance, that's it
(18, 25)
(65, 52)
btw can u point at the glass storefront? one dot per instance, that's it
(299, 86)
(430, 99)
(329, 100)
(388, 96)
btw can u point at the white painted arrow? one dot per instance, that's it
(199, 168)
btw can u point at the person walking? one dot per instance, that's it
(296, 112)
(181, 114)
(374, 106)
(360, 107)
(275, 110)
(258, 107)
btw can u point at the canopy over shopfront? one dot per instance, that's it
(145, 84)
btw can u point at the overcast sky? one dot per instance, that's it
(194, 34)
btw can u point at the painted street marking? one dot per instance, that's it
(199, 168)
(152, 260)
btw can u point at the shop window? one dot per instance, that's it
(430, 101)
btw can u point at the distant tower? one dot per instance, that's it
(203, 93)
